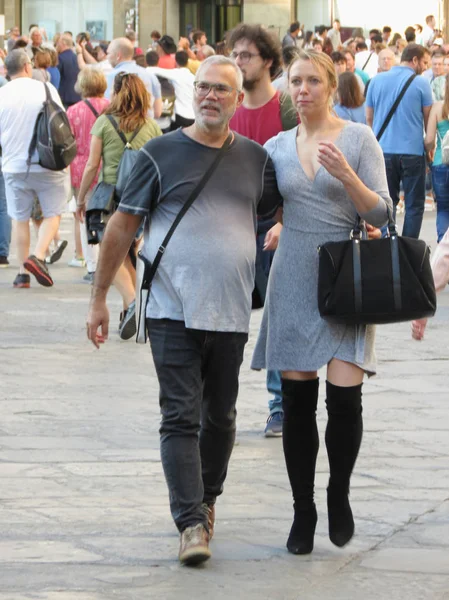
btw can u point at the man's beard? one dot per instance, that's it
(250, 84)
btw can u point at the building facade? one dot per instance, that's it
(106, 19)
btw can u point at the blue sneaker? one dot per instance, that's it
(273, 427)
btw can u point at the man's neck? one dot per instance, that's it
(407, 64)
(260, 95)
(22, 75)
(214, 138)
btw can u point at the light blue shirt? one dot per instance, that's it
(356, 115)
(405, 132)
(129, 66)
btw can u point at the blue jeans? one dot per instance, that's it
(440, 182)
(411, 170)
(264, 259)
(5, 221)
(198, 375)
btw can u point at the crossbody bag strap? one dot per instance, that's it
(190, 200)
(92, 108)
(395, 105)
(119, 133)
(367, 60)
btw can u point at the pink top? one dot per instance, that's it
(82, 120)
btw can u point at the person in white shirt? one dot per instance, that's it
(182, 80)
(334, 35)
(366, 60)
(20, 103)
(428, 32)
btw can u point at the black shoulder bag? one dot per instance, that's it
(147, 270)
(395, 105)
(367, 282)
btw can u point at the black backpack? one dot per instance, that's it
(52, 137)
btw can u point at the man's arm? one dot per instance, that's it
(120, 232)
(425, 113)
(369, 116)
(271, 198)
(157, 108)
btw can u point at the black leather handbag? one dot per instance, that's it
(366, 282)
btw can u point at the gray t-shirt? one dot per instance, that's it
(206, 275)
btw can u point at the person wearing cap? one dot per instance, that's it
(166, 49)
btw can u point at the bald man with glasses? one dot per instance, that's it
(200, 302)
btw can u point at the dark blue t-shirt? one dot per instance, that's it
(68, 67)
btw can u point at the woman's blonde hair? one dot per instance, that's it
(445, 110)
(130, 102)
(91, 83)
(322, 62)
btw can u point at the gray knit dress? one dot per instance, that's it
(293, 336)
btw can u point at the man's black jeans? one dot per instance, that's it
(411, 170)
(198, 378)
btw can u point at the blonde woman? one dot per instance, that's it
(328, 170)
(130, 103)
(91, 85)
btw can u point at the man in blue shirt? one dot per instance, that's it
(68, 67)
(403, 140)
(120, 55)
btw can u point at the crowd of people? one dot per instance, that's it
(286, 133)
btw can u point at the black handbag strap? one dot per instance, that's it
(121, 134)
(92, 108)
(356, 236)
(395, 105)
(150, 272)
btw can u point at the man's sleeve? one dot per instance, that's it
(271, 198)
(426, 91)
(110, 81)
(143, 190)
(55, 95)
(156, 86)
(369, 94)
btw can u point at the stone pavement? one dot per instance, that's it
(83, 503)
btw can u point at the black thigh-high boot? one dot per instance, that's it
(343, 438)
(301, 443)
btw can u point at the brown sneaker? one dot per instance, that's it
(209, 510)
(194, 548)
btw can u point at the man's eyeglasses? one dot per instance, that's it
(245, 57)
(221, 90)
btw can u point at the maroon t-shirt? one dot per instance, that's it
(259, 124)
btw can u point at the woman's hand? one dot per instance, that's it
(418, 328)
(272, 237)
(373, 232)
(333, 160)
(80, 210)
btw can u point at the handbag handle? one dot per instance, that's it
(151, 268)
(359, 226)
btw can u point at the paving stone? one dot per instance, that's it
(83, 503)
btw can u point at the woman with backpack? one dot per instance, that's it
(127, 115)
(437, 128)
(91, 85)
